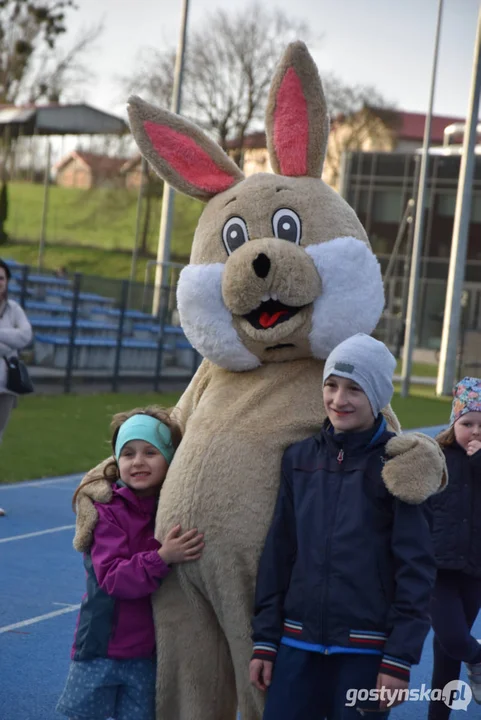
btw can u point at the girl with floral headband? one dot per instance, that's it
(456, 529)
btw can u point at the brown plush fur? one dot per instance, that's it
(225, 474)
(297, 56)
(140, 112)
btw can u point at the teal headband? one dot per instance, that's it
(149, 429)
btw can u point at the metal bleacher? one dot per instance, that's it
(90, 332)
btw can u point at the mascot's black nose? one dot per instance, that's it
(261, 265)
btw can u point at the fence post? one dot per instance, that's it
(73, 331)
(196, 360)
(120, 331)
(162, 317)
(23, 288)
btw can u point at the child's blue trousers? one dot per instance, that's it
(310, 686)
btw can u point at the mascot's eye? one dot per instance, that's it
(234, 234)
(286, 225)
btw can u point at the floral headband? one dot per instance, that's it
(467, 398)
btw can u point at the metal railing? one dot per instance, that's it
(89, 328)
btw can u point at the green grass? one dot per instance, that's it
(423, 408)
(91, 261)
(100, 218)
(52, 435)
(419, 369)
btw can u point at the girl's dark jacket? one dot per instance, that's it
(346, 567)
(456, 514)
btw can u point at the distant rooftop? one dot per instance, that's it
(408, 126)
(104, 165)
(411, 126)
(57, 119)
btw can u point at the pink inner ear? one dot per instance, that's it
(188, 159)
(291, 126)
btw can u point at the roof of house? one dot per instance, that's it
(131, 163)
(411, 126)
(98, 164)
(252, 141)
(408, 126)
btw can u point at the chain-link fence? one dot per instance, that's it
(91, 330)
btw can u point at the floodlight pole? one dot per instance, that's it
(163, 249)
(138, 219)
(459, 246)
(413, 294)
(46, 186)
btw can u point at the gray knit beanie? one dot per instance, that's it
(369, 363)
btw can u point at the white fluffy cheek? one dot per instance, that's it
(206, 321)
(352, 297)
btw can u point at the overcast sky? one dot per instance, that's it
(385, 43)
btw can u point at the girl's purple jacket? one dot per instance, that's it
(123, 570)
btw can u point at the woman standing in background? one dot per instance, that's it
(15, 334)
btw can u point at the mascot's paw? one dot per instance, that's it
(416, 468)
(94, 488)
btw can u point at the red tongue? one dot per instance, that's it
(268, 321)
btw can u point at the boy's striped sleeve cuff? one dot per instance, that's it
(264, 651)
(395, 667)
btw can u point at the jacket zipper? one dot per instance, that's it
(340, 459)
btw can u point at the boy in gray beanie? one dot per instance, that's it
(347, 571)
(358, 361)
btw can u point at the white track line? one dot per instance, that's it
(36, 534)
(39, 618)
(41, 483)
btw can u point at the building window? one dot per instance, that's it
(357, 199)
(476, 209)
(446, 204)
(386, 206)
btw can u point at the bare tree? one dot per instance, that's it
(153, 77)
(230, 60)
(26, 27)
(361, 119)
(63, 73)
(230, 64)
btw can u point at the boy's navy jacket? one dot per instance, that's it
(346, 567)
(456, 514)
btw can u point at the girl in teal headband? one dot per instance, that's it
(112, 673)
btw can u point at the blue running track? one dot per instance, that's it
(42, 582)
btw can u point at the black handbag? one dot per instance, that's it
(18, 379)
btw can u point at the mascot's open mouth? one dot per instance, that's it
(271, 313)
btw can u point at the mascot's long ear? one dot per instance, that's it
(180, 152)
(297, 122)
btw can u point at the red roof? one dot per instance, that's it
(131, 163)
(408, 126)
(412, 126)
(252, 141)
(99, 164)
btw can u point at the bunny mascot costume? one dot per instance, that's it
(281, 271)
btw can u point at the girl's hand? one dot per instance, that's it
(393, 686)
(260, 672)
(473, 447)
(181, 548)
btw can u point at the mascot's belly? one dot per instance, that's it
(225, 475)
